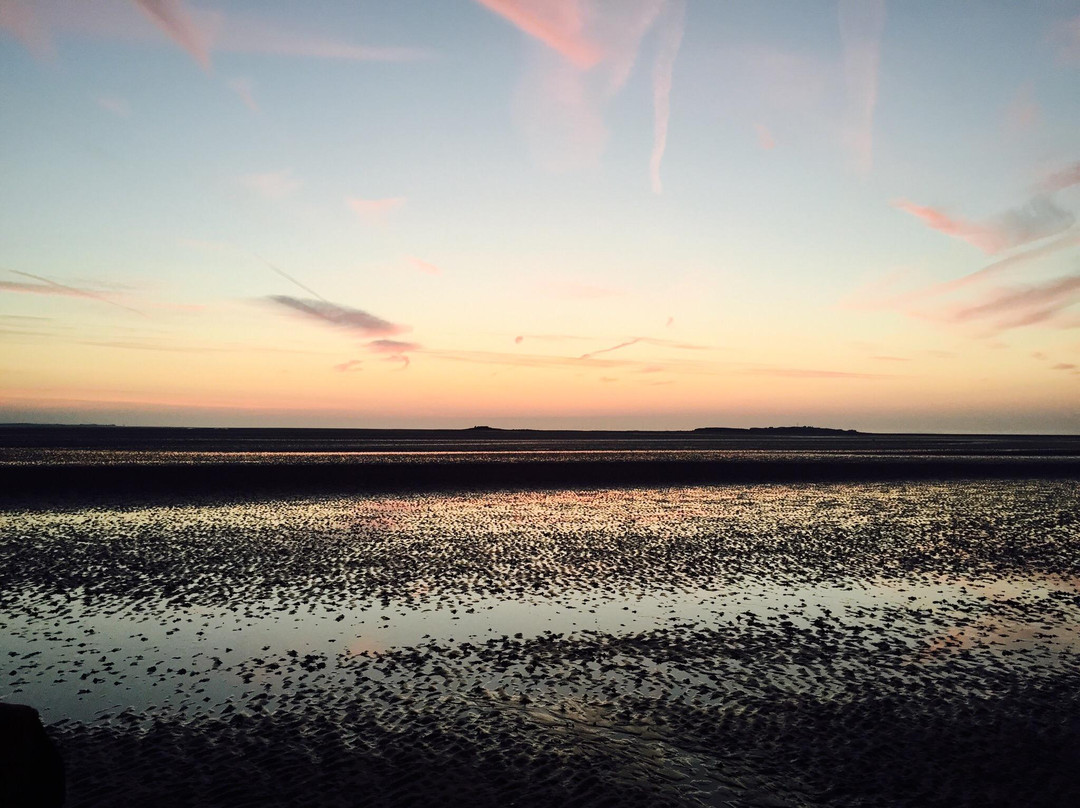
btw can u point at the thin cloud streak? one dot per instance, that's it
(424, 266)
(174, 18)
(48, 287)
(1023, 306)
(1071, 239)
(1060, 180)
(861, 25)
(293, 280)
(664, 67)
(243, 88)
(344, 317)
(867, 300)
(1038, 219)
(199, 32)
(803, 373)
(660, 343)
(626, 344)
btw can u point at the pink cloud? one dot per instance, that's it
(394, 350)
(424, 266)
(275, 185)
(392, 346)
(861, 25)
(1038, 219)
(20, 20)
(1060, 180)
(663, 68)
(1023, 113)
(117, 106)
(174, 18)
(1004, 309)
(374, 211)
(764, 137)
(556, 23)
(346, 367)
(1067, 36)
(243, 88)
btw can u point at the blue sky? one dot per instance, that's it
(764, 210)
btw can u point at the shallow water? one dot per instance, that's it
(656, 615)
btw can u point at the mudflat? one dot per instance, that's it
(906, 639)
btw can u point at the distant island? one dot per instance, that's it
(774, 430)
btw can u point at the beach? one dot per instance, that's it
(508, 619)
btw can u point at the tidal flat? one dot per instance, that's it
(886, 643)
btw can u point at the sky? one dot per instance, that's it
(626, 214)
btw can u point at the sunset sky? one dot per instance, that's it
(541, 213)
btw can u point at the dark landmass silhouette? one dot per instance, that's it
(775, 430)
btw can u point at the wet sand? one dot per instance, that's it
(808, 643)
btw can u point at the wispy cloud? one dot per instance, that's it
(1066, 34)
(274, 185)
(626, 344)
(663, 68)
(557, 23)
(807, 373)
(247, 33)
(1012, 262)
(394, 350)
(350, 365)
(50, 287)
(861, 25)
(424, 266)
(1023, 114)
(562, 99)
(658, 343)
(764, 137)
(117, 106)
(374, 211)
(243, 87)
(883, 294)
(20, 19)
(174, 18)
(344, 317)
(1022, 306)
(199, 32)
(573, 290)
(1036, 220)
(1060, 180)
